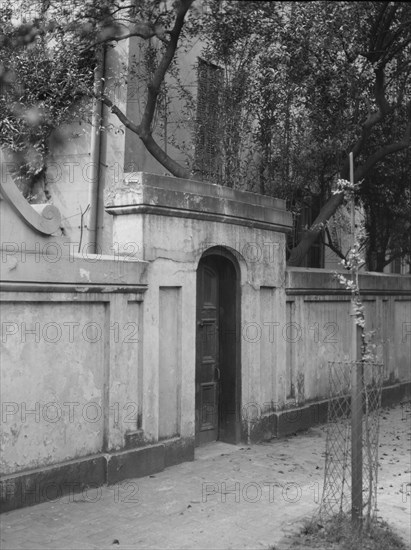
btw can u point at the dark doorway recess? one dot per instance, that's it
(218, 368)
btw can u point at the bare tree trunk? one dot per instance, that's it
(299, 252)
(144, 129)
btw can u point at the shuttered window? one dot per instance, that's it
(208, 120)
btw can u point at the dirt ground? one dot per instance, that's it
(230, 497)
(394, 482)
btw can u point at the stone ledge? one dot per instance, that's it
(147, 193)
(204, 216)
(104, 274)
(107, 290)
(202, 188)
(321, 281)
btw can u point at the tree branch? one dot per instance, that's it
(143, 130)
(379, 92)
(152, 146)
(392, 257)
(153, 87)
(386, 150)
(161, 156)
(372, 119)
(299, 252)
(141, 29)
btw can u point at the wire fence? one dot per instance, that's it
(337, 491)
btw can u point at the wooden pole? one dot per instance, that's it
(352, 201)
(356, 396)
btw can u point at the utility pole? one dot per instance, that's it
(356, 388)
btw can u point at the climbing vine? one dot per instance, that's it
(353, 262)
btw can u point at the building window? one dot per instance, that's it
(208, 127)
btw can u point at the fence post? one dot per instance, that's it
(356, 442)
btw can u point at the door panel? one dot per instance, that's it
(229, 337)
(218, 372)
(207, 386)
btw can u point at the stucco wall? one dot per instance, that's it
(70, 165)
(69, 377)
(171, 223)
(70, 348)
(48, 370)
(319, 328)
(99, 352)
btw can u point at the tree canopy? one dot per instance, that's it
(321, 79)
(303, 84)
(50, 51)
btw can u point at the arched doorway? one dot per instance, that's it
(218, 376)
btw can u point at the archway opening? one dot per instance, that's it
(218, 366)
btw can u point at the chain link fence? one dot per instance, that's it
(337, 491)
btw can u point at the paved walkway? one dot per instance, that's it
(229, 497)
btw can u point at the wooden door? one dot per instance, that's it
(207, 351)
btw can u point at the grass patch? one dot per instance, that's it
(339, 534)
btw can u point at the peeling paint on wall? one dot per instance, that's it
(84, 274)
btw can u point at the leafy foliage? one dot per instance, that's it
(49, 52)
(45, 73)
(304, 83)
(386, 198)
(320, 79)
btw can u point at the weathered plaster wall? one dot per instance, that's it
(69, 377)
(69, 172)
(70, 347)
(70, 164)
(47, 370)
(290, 327)
(319, 328)
(179, 247)
(102, 348)
(170, 223)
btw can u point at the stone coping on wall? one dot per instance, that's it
(322, 281)
(50, 271)
(168, 196)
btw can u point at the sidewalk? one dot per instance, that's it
(229, 497)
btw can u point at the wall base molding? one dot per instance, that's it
(76, 476)
(287, 422)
